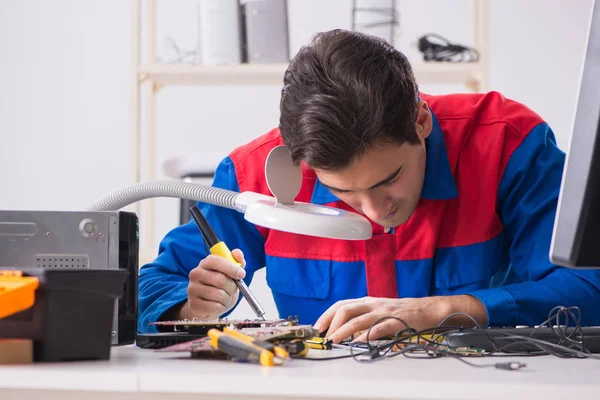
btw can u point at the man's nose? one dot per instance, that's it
(376, 207)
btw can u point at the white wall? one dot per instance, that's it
(538, 48)
(64, 77)
(63, 106)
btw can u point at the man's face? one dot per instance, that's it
(386, 183)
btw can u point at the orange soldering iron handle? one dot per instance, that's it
(17, 292)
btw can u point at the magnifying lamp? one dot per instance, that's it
(279, 212)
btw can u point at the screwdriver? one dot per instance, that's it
(219, 248)
(277, 350)
(240, 349)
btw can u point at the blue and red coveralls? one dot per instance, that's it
(482, 227)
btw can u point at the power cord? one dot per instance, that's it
(424, 348)
(437, 48)
(570, 343)
(431, 342)
(510, 365)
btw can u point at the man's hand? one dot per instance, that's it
(352, 318)
(212, 291)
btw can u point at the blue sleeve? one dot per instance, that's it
(527, 201)
(163, 283)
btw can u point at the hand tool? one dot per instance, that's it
(277, 350)
(240, 349)
(219, 248)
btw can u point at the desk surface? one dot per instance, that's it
(138, 373)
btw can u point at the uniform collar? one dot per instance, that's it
(438, 184)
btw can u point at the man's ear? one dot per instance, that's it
(424, 120)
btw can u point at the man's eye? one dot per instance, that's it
(390, 183)
(337, 192)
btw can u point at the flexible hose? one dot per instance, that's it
(182, 190)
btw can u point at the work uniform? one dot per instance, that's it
(483, 227)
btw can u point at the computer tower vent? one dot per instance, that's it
(80, 261)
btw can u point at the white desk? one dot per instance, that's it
(134, 373)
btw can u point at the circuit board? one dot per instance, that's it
(284, 335)
(201, 327)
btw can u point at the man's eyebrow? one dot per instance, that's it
(382, 182)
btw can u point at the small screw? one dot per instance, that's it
(47, 234)
(101, 234)
(113, 333)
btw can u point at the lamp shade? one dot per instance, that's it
(308, 219)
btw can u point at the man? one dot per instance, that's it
(461, 190)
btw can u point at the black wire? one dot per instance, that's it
(321, 359)
(568, 344)
(565, 344)
(441, 324)
(437, 48)
(375, 351)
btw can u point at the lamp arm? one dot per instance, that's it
(182, 190)
(259, 209)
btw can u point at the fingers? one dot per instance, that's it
(354, 326)
(210, 293)
(385, 328)
(212, 290)
(344, 314)
(239, 256)
(204, 309)
(208, 277)
(219, 264)
(325, 319)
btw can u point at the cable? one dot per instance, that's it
(567, 346)
(570, 342)
(511, 365)
(437, 48)
(321, 358)
(441, 324)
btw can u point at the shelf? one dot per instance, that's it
(447, 73)
(191, 74)
(261, 74)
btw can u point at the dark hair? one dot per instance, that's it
(344, 93)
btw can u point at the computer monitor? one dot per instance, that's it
(576, 235)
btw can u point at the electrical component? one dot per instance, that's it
(319, 343)
(432, 342)
(514, 365)
(201, 327)
(428, 343)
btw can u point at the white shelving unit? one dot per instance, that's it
(148, 77)
(272, 74)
